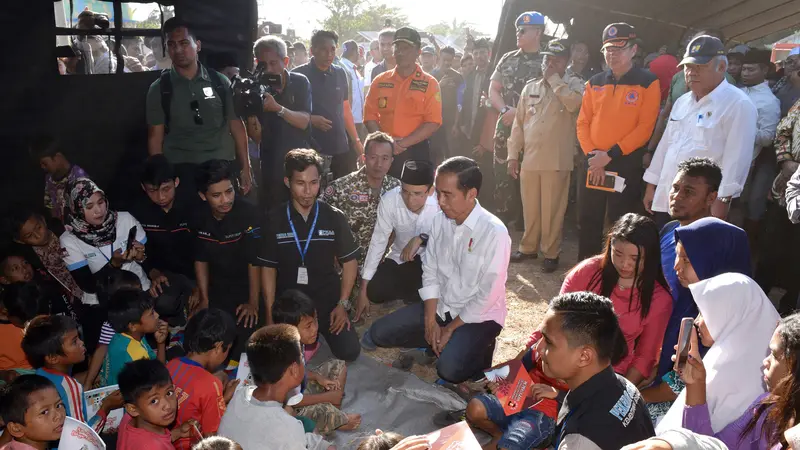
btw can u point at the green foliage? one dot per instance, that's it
(348, 17)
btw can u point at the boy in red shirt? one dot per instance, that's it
(207, 340)
(529, 428)
(150, 408)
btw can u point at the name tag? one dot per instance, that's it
(302, 275)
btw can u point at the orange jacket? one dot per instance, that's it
(400, 105)
(619, 116)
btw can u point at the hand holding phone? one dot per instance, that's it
(131, 239)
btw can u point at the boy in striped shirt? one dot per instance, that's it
(52, 346)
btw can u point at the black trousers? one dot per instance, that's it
(343, 164)
(777, 265)
(394, 281)
(420, 151)
(598, 205)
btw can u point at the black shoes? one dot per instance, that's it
(519, 256)
(550, 265)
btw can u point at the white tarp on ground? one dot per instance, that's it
(388, 399)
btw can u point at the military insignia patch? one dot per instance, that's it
(418, 85)
(382, 102)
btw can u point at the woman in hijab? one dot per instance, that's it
(736, 322)
(705, 248)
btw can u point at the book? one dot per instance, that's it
(514, 386)
(243, 371)
(94, 399)
(76, 435)
(454, 437)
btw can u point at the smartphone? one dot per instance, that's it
(131, 238)
(608, 182)
(682, 353)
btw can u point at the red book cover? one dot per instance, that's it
(455, 437)
(514, 386)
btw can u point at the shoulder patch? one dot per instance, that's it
(418, 85)
(329, 190)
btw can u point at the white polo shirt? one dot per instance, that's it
(80, 254)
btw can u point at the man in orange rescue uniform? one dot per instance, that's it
(405, 103)
(618, 114)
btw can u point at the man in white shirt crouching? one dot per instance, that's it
(464, 267)
(407, 211)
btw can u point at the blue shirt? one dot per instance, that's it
(328, 93)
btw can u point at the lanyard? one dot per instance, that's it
(302, 251)
(561, 432)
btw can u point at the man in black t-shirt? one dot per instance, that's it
(581, 339)
(284, 125)
(226, 236)
(303, 240)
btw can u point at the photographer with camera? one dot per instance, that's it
(190, 113)
(284, 123)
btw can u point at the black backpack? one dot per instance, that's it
(165, 84)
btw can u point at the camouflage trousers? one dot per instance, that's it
(327, 417)
(507, 198)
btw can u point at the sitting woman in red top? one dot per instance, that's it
(629, 273)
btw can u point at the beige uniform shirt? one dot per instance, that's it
(544, 126)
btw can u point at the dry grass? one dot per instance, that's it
(528, 292)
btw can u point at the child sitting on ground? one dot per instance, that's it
(150, 406)
(132, 315)
(60, 173)
(110, 282)
(207, 340)
(21, 302)
(217, 443)
(322, 397)
(255, 417)
(33, 413)
(380, 441)
(14, 268)
(52, 346)
(529, 428)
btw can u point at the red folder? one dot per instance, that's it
(514, 386)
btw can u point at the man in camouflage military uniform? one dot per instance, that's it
(357, 194)
(512, 73)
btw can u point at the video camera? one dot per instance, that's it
(249, 92)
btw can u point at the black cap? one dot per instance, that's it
(618, 35)
(409, 35)
(757, 56)
(417, 173)
(702, 49)
(557, 47)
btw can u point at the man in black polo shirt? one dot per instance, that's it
(284, 125)
(227, 232)
(165, 218)
(581, 340)
(331, 116)
(304, 238)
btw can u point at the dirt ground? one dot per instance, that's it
(528, 291)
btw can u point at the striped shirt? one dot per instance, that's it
(106, 334)
(71, 393)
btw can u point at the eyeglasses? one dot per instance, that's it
(195, 105)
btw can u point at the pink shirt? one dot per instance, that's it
(643, 336)
(132, 438)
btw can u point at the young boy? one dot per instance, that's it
(201, 396)
(151, 405)
(14, 268)
(255, 417)
(60, 173)
(52, 346)
(529, 428)
(323, 396)
(33, 413)
(132, 316)
(21, 302)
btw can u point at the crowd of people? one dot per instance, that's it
(222, 261)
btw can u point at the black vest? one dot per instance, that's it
(608, 410)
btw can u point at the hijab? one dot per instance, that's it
(715, 247)
(741, 319)
(95, 235)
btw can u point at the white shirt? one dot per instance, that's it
(394, 215)
(356, 91)
(368, 72)
(721, 126)
(465, 267)
(769, 114)
(81, 254)
(257, 425)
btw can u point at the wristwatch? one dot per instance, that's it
(725, 200)
(281, 112)
(505, 109)
(346, 304)
(424, 238)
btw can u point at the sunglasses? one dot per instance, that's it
(195, 105)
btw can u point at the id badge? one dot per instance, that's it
(302, 275)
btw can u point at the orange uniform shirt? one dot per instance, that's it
(400, 105)
(11, 354)
(619, 114)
